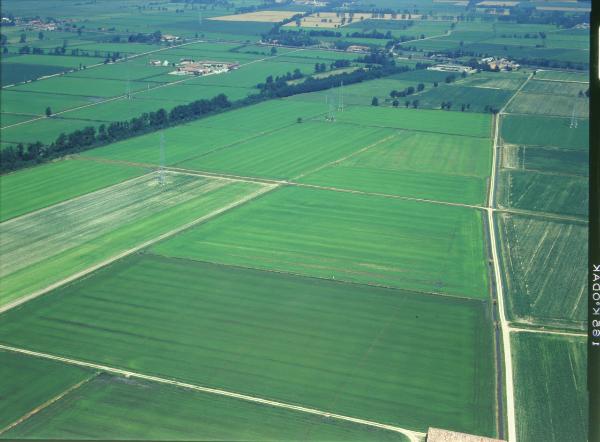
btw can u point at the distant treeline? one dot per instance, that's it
(12, 158)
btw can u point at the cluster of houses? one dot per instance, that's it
(500, 64)
(187, 66)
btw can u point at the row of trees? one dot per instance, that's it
(407, 91)
(337, 64)
(280, 88)
(81, 139)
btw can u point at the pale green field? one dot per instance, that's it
(41, 186)
(358, 238)
(51, 244)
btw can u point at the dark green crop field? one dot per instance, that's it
(28, 383)
(545, 131)
(552, 405)
(544, 263)
(351, 349)
(361, 238)
(119, 408)
(543, 192)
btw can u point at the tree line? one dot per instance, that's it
(21, 155)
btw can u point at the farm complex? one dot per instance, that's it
(294, 220)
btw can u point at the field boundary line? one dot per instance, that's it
(19, 301)
(414, 436)
(547, 332)
(47, 403)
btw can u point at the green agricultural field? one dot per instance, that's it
(32, 103)
(475, 99)
(205, 135)
(581, 77)
(546, 104)
(27, 383)
(291, 151)
(360, 238)
(10, 119)
(544, 266)
(70, 85)
(452, 123)
(180, 143)
(569, 89)
(114, 407)
(356, 350)
(45, 130)
(14, 73)
(494, 80)
(545, 131)
(543, 192)
(551, 160)
(416, 164)
(43, 186)
(51, 244)
(357, 94)
(550, 388)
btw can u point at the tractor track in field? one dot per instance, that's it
(413, 436)
(23, 299)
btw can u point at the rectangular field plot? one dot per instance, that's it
(33, 103)
(544, 192)
(545, 264)
(548, 104)
(551, 160)
(569, 89)
(200, 137)
(494, 80)
(545, 131)
(119, 408)
(416, 164)
(474, 99)
(42, 186)
(550, 387)
(581, 77)
(356, 350)
(368, 239)
(453, 123)
(291, 151)
(51, 244)
(27, 383)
